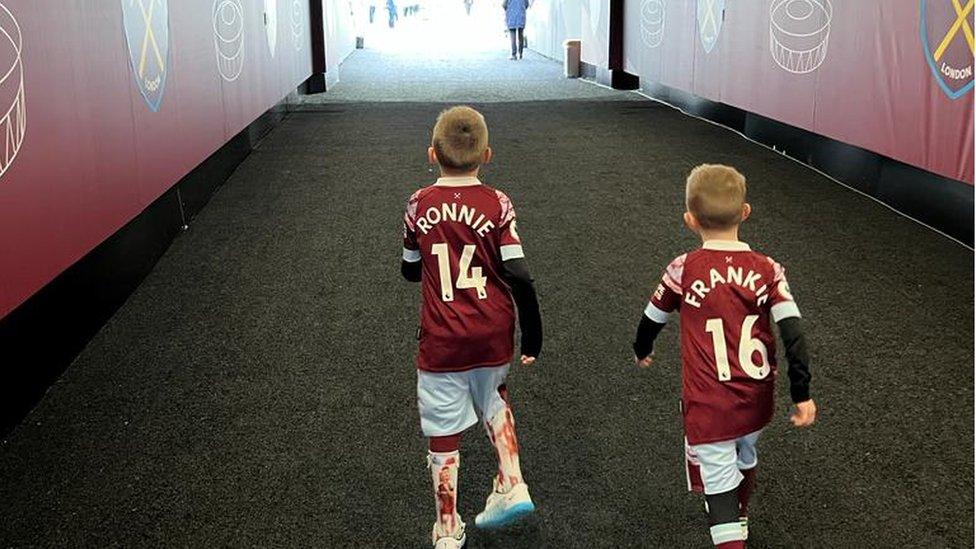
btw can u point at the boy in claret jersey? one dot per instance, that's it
(461, 244)
(726, 294)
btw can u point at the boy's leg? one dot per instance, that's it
(446, 410)
(501, 432)
(509, 499)
(721, 479)
(521, 41)
(444, 460)
(747, 461)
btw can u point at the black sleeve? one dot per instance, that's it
(516, 273)
(410, 270)
(795, 345)
(647, 332)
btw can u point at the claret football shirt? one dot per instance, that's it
(461, 231)
(726, 295)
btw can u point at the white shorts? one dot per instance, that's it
(451, 402)
(715, 468)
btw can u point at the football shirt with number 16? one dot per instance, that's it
(726, 295)
(461, 231)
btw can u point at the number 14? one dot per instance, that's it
(465, 281)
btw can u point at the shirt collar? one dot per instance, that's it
(726, 246)
(457, 181)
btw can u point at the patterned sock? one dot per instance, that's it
(746, 487)
(444, 474)
(501, 432)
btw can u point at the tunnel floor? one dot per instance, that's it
(478, 77)
(258, 388)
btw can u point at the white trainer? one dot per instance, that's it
(504, 509)
(453, 541)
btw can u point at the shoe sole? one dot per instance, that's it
(510, 516)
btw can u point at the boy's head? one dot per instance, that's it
(715, 196)
(460, 141)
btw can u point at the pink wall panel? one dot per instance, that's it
(857, 72)
(94, 154)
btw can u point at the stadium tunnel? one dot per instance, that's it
(204, 339)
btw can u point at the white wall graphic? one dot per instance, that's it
(798, 33)
(228, 26)
(271, 24)
(298, 24)
(13, 107)
(652, 22)
(710, 15)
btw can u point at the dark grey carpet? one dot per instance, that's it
(480, 77)
(258, 389)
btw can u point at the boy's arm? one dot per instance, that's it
(647, 331)
(786, 315)
(410, 267)
(795, 345)
(516, 273)
(665, 300)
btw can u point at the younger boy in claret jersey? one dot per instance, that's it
(460, 242)
(726, 294)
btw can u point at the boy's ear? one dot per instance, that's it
(431, 155)
(691, 222)
(486, 157)
(746, 211)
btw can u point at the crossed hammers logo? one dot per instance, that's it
(962, 22)
(149, 38)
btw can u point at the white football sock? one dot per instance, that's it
(444, 474)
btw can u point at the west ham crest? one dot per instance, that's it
(711, 13)
(947, 36)
(146, 24)
(271, 24)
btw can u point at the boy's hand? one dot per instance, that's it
(528, 360)
(804, 413)
(645, 362)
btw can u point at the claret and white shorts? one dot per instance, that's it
(450, 402)
(715, 468)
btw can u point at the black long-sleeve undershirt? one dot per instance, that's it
(516, 274)
(794, 345)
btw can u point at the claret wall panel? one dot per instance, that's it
(892, 77)
(106, 104)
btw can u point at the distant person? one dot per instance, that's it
(392, 9)
(727, 297)
(460, 243)
(467, 6)
(515, 20)
(372, 12)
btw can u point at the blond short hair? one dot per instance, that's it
(715, 195)
(460, 138)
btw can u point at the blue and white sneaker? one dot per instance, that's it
(504, 509)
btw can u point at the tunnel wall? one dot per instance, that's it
(595, 32)
(857, 72)
(550, 23)
(340, 35)
(108, 105)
